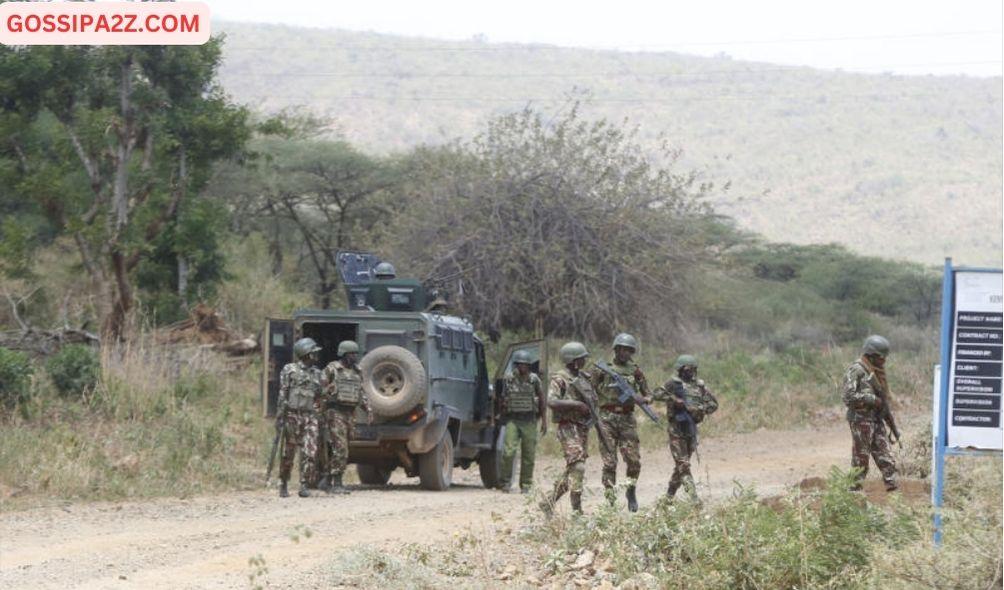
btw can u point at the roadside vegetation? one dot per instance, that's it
(822, 536)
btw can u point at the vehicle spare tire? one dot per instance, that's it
(393, 379)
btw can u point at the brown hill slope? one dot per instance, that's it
(899, 166)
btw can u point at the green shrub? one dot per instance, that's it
(74, 370)
(15, 377)
(802, 540)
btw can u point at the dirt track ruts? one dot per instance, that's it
(205, 542)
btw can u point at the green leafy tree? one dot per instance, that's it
(131, 131)
(312, 197)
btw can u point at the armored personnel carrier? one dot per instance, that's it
(424, 373)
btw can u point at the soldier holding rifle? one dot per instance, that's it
(866, 395)
(573, 408)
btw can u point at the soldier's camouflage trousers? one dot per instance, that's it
(573, 438)
(870, 440)
(681, 447)
(341, 425)
(300, 431)
(519, 435)
(622, 432)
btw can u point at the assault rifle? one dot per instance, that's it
(279, 428)
(887, 417)
(683, 414)
(594, 421)
(627, 393)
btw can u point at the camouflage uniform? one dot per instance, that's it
(299, 390)
(861, 389)
(522, 404)
(618, 424)
(573, 429)
(343, 393)
(700, 402)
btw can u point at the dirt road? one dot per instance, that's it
(206, 542)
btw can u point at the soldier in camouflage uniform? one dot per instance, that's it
(864, 386)
(688, 402)
(299, 390)
(567, 389)
(523, 404)
(342, 386)
(618, 421)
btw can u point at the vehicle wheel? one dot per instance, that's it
(490, 466)
(393, 379)
(373, 475)
(435, 468)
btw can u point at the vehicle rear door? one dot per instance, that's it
(277, 348)
(538, 352)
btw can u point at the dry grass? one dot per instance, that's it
(163, 421)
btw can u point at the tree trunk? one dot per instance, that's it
(122, 301)
(183, 279)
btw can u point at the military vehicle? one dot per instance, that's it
(424, 372)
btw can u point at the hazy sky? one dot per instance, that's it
(909, 37)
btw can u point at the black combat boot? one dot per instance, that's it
(283, 490)
(304, 492)
(324, 485)
(632, 499)
(576, 498)
(671, 490)
(337, 486)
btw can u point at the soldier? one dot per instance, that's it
(567, 390)
(341, 382)
(618, 421)
(299, 390)
(523, 404)
(688, 401)
(865, 385)
(384, 271)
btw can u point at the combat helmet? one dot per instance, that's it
(572, 351)
(685, 360)
(304, 346)
(384, 270)
(346, 346)
(626, 340)
(522, 357)
(875, 344)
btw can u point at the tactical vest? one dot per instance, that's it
(867, 384)
(576, 388)
(348, 387)
(304, 385)
(608, 393)
(521, 396)
(690, 394)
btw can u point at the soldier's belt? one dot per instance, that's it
(617, 409)
(339, 406)
(301, 410)
(528, 416)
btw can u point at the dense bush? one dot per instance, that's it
(74, 370)
(560, 224)
(15, 377)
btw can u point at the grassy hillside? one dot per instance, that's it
(897, 166)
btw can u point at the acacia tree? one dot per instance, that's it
(561, 227)
(135, 131)
(313, 197)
